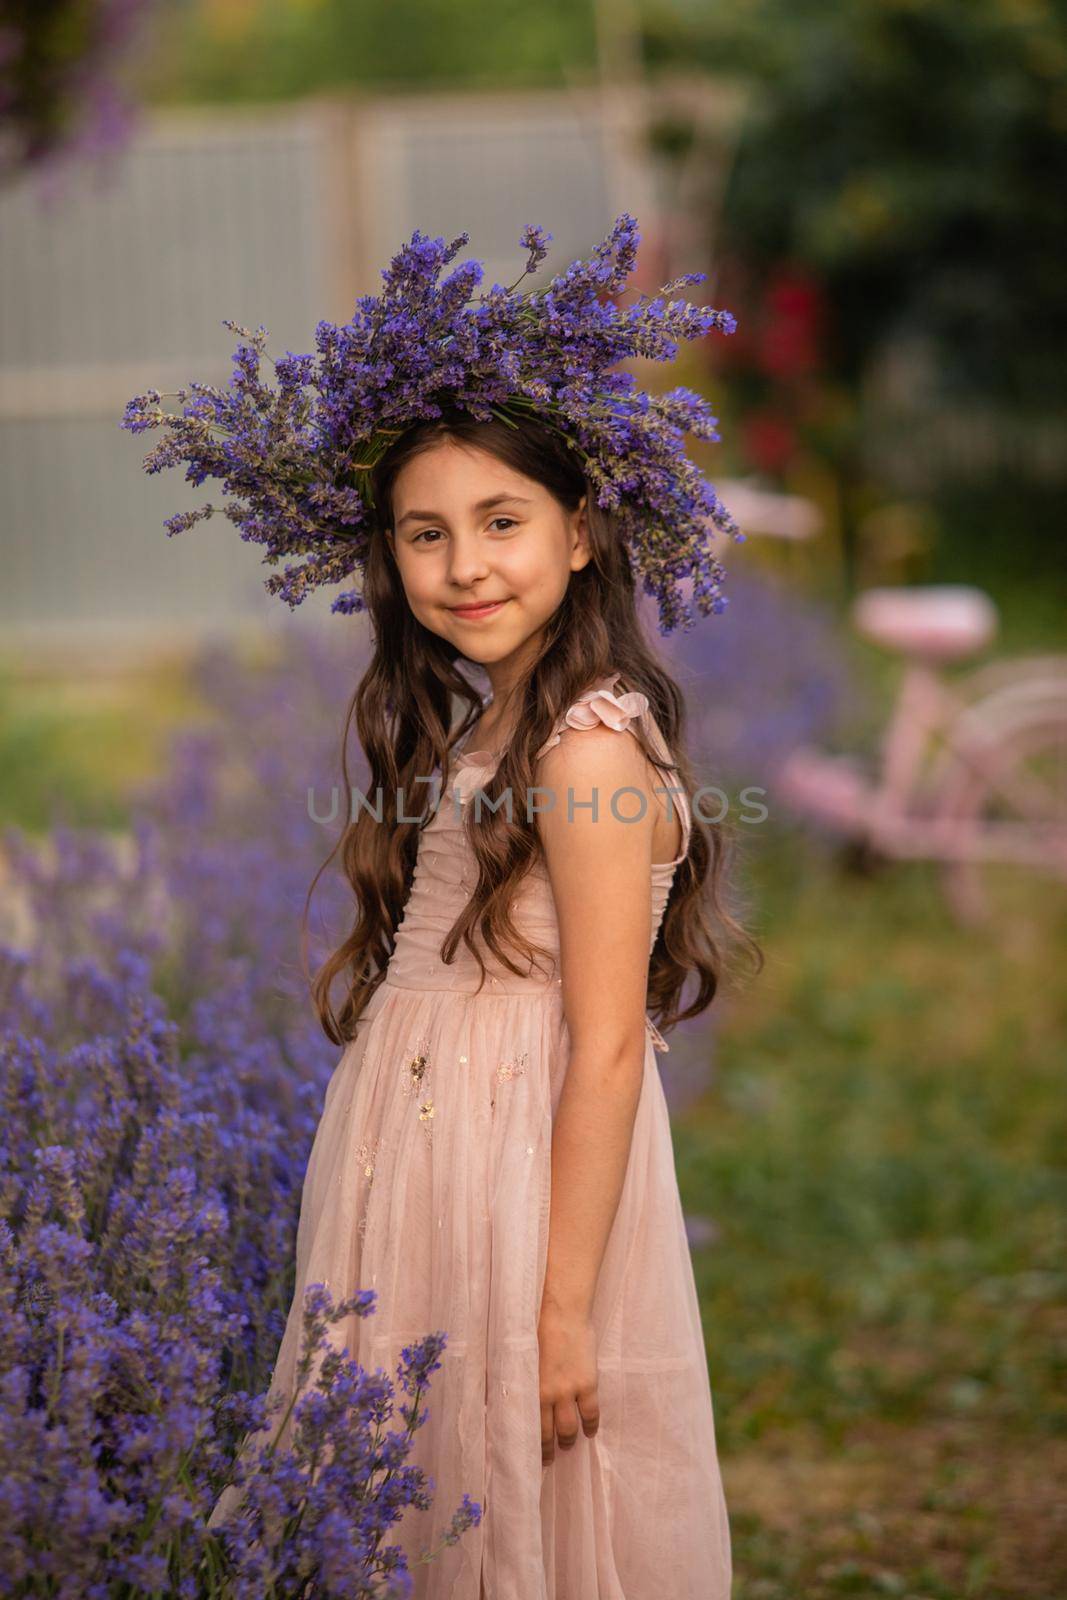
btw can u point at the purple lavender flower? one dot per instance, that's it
(297, 456)
(160, 1080)
(536, 240)
(122, 1338)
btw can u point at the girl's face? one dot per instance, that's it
(468, 529)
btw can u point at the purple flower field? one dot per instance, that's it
(161, 1081)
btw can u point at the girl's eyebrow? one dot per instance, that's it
(482, 505)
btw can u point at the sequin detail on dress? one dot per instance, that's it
(507, 1071)
(415, 1082)
(512, 1069)
(416, 1068)
(368, 1154)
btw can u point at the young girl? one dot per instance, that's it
(494, 1156)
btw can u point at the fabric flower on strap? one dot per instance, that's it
(599, 704)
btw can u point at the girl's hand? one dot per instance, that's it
(568, 1379)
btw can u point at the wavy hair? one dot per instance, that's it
(403, 713)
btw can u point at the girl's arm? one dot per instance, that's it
(600, 873)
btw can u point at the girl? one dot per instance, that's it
(494, 1156)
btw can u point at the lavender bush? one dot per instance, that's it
(320, 1511)
(160, 1081)
(120, 1336)
(770, 675)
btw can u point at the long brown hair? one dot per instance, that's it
(402, 709)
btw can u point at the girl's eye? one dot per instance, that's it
(425, 531)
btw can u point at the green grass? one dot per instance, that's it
(72, 746)
(884, 1153)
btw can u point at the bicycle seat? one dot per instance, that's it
(938, 621)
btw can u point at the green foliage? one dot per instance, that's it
(76, 744)
(279, 49)
(908, 150)
(884, 1157)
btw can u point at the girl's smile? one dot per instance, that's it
(486, 608)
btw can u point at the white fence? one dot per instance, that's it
(277, 216)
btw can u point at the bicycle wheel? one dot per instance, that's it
(1004, 809)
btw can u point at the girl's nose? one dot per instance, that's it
(467, 560)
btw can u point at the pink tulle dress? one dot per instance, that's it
(429, 1182)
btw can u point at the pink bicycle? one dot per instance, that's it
(973, 770)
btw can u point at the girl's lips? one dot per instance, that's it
(474, 612)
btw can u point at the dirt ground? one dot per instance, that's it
(918, 1514)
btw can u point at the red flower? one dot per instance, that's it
(768, 440)
(792, 326)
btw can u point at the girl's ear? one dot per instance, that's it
(581, 554)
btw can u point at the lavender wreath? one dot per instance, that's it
(298, 456)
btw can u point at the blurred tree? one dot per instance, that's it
(903, 155)
(908, 150)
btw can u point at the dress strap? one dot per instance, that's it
(678, 798)
(599, 705)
